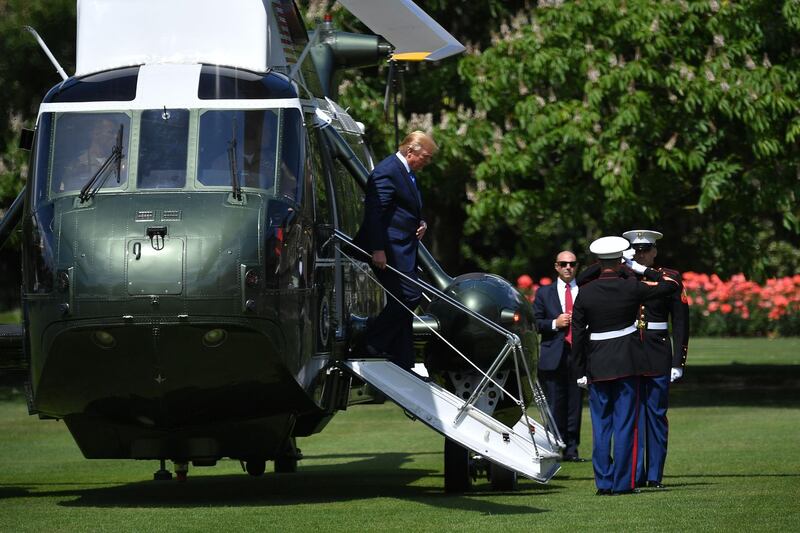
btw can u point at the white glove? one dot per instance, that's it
(675, 375)
(636, 267)
(628, 254)
(583, 382)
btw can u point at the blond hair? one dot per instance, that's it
(415, 141)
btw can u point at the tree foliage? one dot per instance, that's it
(679, 115)
(26, 74)
(564, 121)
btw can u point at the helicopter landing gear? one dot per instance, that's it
(256, 467)
(285, 465)
(287, 462)
(457, 475)
(181, 471)
(162, 474)
(502, 479)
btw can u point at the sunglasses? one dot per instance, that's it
(643, 247)
(563, 264)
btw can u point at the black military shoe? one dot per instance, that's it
(603, 492)
(655, 485)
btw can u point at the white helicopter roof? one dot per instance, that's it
(237, 33)
(250, 34)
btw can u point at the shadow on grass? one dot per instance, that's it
(738, 385)
(374, 476)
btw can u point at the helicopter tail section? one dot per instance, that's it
(526, 448)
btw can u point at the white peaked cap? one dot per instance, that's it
(642, 236)
(609, 247)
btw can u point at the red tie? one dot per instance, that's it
(568, 309)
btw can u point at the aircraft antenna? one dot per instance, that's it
(47, 52)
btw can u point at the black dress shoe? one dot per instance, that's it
(603, 492)
(372, 352)
(655, 485)
(574, 459)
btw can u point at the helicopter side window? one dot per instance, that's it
(163, 147)
(244, 140)
(83, 143)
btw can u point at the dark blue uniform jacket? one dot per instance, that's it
(611, 303)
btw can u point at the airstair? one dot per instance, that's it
(512, 448)
(529, 448)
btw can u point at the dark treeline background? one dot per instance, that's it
(564, 121)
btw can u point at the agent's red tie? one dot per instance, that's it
(568, 309)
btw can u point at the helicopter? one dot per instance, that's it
(190, 290)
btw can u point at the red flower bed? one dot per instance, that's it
(736, 307)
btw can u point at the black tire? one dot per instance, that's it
(456, 467)
(285, 465)
(502, 479)
(256, 467)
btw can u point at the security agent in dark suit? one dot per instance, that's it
(664, 360)
(552, 309)
(391, 231)
(609, 350)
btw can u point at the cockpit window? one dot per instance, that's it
(163, 146)
(263, 147)
(244, 140)
(83, 144)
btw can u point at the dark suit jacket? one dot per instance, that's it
(546, 307)
(392, 214)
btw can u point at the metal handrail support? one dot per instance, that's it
(541, 404)
(477, 391)
(513, 345)
(346, 239)
(518, 354)
(427, 286)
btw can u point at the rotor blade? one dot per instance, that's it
(406, 26)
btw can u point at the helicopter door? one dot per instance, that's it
(327, 271)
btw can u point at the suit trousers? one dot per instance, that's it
(613, 405)
(565, 400)
(653, 428)
(391, 331)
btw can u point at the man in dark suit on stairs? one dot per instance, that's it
(391, 231)
(552, 308)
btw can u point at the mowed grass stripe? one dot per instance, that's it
(733, 465)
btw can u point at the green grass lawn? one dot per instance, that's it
(733, 466)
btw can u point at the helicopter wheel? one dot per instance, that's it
(456, 467)
(285, 465)
(502, 479)
(256, 467)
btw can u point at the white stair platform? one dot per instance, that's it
(477, 431)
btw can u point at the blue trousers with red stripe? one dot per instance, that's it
(653, 428)
(614, 407)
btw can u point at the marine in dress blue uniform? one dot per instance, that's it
(609, 350)
(390, 231)
(665, 360)
(552, 310)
